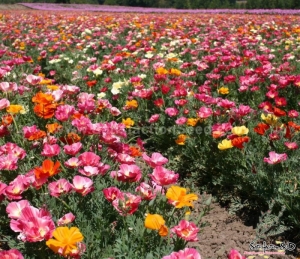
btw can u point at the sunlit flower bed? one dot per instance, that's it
(112, 122)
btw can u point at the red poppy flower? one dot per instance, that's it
(238, 142)
(261, 128)
(278, 112)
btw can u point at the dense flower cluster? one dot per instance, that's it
(80, 93)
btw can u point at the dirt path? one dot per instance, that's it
(224, 232)
(13, 7)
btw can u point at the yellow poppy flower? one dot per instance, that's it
(223, 90)
(65, 240)
(131, 104)
(240, 130)
(15, 108)
(270, 119)
(128, 122)
(225, 144)
(178, 197)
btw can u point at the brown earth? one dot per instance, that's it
(224, 232)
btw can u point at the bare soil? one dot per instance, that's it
(224, 232)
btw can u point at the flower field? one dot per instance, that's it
(113, 124)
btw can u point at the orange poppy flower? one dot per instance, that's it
(66, 240)
(156, 222)
(192, 122)
(181, 139)
(53, 127)
(42, 98)
(135, 151)
(238, 141)
(7, 120)
(161, 71)
(45, 111)
(70, 139)
(131, 104)
(37, 135)
(47, 169)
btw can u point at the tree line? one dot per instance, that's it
(181, 4)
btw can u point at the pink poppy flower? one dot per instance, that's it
(33, 224)
(66, 219)
(72, 149)
(234, 254)
(33, 80)
(72, 162)
(82, 185)
(186, 230)
(15, 188)
(156, 159)
(154, 118)
(204, 112)
(14, 209)
(64, 112)
(163, 176)
(11, 254)
(171, 111)
(50, 150)
(181, 121)
(127, 173)
(293, 114)
(4, 103)
(226, 104)
(275, 158)
(89, 170)
(12, 148)
(125, 159)
(89, 158)
(8, 162)
(146, 191)
(111, 193)
(86, 103)
(59, 187)
(126, 203)
(291, 145)
(189, 253)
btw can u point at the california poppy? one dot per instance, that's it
(66, 240)
(278, 112)
(91, 83)
(70, 138)
(238, 141)
(53, 127)
(181, 139)
(45, 111)
(156, 222)
(261, 128)
(47, 169)
(178, 197)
